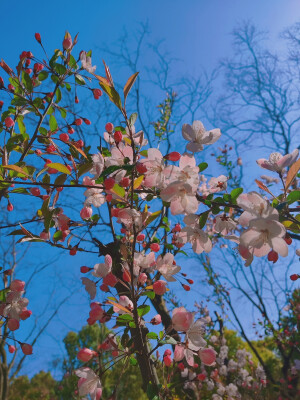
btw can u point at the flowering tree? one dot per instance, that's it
(122, 181)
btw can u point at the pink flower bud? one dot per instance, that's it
(155, 247)
(24, 314)
(156, 320)
(118, 136)
(45, 235)
(35, 191)
(109, 127)
(142, 278)
(13, 324)
(17, 285)
(140, 237)
(67, 43)
(159, 287)
(11, 349)
(9, 122)
(109, 183)
(64, 137)
(85, 354)
(27, 349)
(86, 212)
(173, 156)
(182, 319)
(167, 361)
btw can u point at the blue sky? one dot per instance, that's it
(195, 32)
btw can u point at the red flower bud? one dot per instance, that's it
(109, 127)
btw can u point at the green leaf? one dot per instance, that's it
(53, 123)
(63, 112)
(21, 124)
(58, 95)
(57, 236)
(125, 317)
(3, 294)
(59, 68)
(152, 217)
(168, 340)
(202, 166)
(112, 94)
(143, 310)
(79, 80)
(203, 219)
(60, 167)
(133, 118)
(43, 75)
(293, 196)
(119, 190)
(27, 81)
(235, 193)
(152, 335)
(60, 180)
(132, 360)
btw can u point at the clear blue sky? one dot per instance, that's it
(195, 31)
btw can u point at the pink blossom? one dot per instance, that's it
(277, 162)
(154, 163)
(86, 62)
(178, 353)
(166, 267)
(182, 198)
(102, 270)
(182, 319)
(197, 237)
(255, 206)
(198, 136)
(218, 184)
(89, 383)
(264, 235)
(98, 165)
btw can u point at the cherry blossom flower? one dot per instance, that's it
(277, 162)
(89, 384)
(155, 164)
(224, 224)
(197, 237)
(187, 172)
(182, 198)
(130, 217)
(218, 184)
(98, 165)
(255, 206)
(264, 235)
(198, 136)
(195, 335)
(94, 197)
(86, 62)
(103, 269)
(166, 267)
